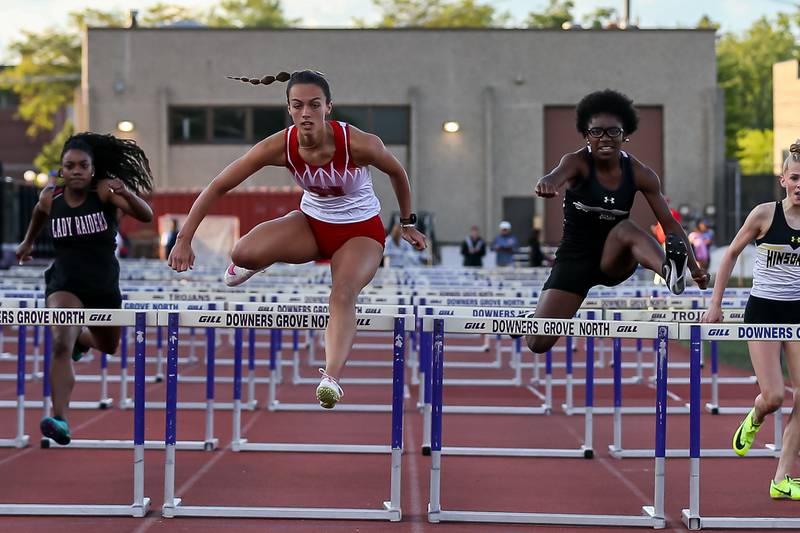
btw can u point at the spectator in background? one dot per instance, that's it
(708, 233)
(536, 257)
(700, 246)
(473, 248)
(398, 252)
(657, 230)
(505, 244)
(172, 236)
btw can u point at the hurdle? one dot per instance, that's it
(398, 324)
(696, 334)
(616, 449)
(57, 317)
(653, 516)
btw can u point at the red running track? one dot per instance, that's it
(603, 485)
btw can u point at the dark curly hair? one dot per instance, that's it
(113, 158)
(607, 101)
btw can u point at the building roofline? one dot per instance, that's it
(400, 30)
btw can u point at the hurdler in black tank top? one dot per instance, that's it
(84, 238)
(591, 211)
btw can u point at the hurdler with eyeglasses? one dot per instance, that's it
(600, 245)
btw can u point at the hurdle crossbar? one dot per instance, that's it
(398, 324)
(93, 317)
(653, 516)
(696, 334)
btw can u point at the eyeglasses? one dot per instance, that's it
(597, 133)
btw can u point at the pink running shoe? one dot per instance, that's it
(235, 275)
(328, 391)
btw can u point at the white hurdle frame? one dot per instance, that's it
(696, 334)
(653, 516)
(262, 320)
(680, 317)
(94, 317)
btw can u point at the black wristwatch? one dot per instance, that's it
(409, 222)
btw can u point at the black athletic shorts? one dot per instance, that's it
(580, 275)
(101, 298)
(765, 311)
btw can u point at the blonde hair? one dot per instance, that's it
(794, 155)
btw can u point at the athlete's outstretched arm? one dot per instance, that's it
(268, 152)
(115, 192)
(650, 186)
(38, 219)
(549, 184)
(754, 226)
(368, 149)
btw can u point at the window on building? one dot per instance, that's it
(358, 116)
(188, 124)
(229, 124)
(249, 125)
(390, 124)
(268, 120)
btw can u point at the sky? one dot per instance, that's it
(733, 15)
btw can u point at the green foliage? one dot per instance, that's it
(50, 156)
(49, 67)
(744, 71)
(162, 14)
(705, 22)
(249, 14)
(754, 151)
(437, 14)
(554, 15)
(600, 18)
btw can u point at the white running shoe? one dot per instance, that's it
(674, 268)
(235, 275)
(328, 391)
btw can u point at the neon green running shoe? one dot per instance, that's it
(785, 489)
(56, 429)
(746, 434)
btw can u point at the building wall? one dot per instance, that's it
(496, 83)
(786, 109)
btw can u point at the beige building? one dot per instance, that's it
(785, 109)
(512, 93)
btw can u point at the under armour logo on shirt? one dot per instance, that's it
(794, 240)
(608, 199)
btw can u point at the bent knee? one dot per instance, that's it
(772, 400)
(540, 344)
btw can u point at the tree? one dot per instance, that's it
(49, 158)
(744, 72)
(437, 14)
(754, 151)
(249, 14)
(162, 14)
(705, 22)
(600, 18)
(49, 68)
(554, 15)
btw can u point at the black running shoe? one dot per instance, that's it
(674, 269)
(524, 314)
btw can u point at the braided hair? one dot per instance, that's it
(114, 158)
(794, 155)
(312, 77)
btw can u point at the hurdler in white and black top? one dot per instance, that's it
(775, 296)
(84, 238)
